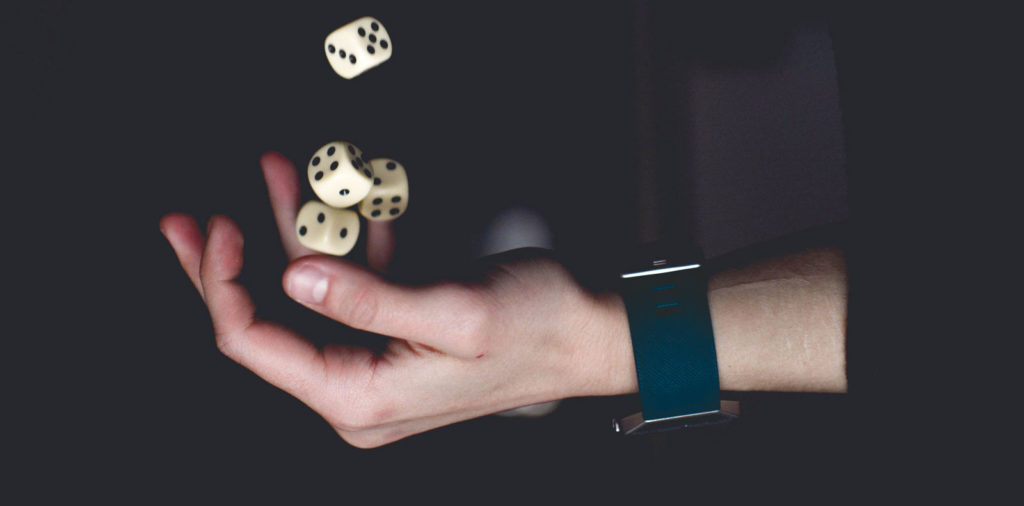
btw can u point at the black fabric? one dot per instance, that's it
(119, 112)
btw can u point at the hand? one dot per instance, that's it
(527, 334)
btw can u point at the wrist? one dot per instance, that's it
(778, 325)
(605, 359)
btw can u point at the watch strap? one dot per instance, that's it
(673, 347)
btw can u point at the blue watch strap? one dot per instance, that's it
(674, 348)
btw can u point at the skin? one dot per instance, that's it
(526, 334)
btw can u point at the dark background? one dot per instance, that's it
(616, 122)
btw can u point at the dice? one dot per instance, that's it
(357, 47)
(339, 175)
(389, 195)
(325, 229)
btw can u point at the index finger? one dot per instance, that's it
(274, 353)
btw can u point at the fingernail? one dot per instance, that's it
(307, 284)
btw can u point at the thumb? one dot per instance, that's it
(450, 317)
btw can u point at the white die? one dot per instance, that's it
(389, 196)
(358, 47)
(339, 175)
(322, 228)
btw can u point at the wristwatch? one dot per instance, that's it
(665, 291)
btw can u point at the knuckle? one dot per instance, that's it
(363, 441)
(476, 316)
(368, 439)
(361, 417)
(357, 420)
(362, 311)
(230, 339)
(226, 345)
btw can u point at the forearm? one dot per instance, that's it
(780, 324)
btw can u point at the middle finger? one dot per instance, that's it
(283, 188)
